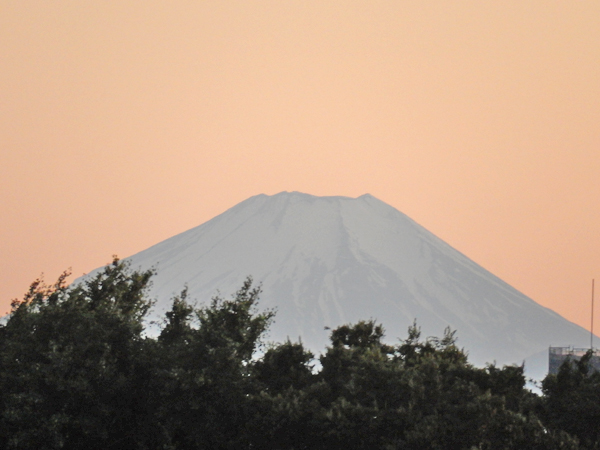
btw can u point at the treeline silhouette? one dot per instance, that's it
(77, 371)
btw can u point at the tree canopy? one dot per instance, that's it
(78, 371)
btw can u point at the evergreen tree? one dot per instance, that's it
(571, 401)
(78, 372)
(68, 363)
(204, 375)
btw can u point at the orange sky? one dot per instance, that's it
(123, 123)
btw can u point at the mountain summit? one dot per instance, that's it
(326, 261)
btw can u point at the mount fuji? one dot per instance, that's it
(327, 261)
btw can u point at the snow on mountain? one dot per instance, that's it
(326, 261)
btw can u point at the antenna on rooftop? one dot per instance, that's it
(592, 327)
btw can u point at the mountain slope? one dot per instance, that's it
(325, 261)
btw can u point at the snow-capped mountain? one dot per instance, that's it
(326, 261)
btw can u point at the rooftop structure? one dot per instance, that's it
(557, 355)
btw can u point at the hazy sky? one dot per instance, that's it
(123, 123)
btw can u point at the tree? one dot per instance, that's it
(284, 366)
(78, 372)
(68, 363)
(281, 413)
(423, 394)
(203, 376)
(571, 401)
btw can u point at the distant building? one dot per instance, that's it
(557, 355)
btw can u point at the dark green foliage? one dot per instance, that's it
(421, 394)
(68, 363)
(571, 401)
(417, 395)
(283, 367)
(78, 372)
(203, 379)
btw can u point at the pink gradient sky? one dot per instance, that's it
(123, 123)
